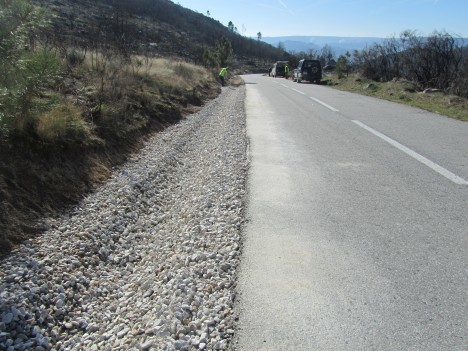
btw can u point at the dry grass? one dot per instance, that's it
(63, 122)
(176, 74)
(168, 72)
(115, 77)
(403, 92)
(131, 93)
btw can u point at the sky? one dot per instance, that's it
(343, 18)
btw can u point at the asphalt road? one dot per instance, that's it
(357, 232)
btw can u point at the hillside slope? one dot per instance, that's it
(123, 75)
(158, 27)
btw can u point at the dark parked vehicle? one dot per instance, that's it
(310, 70)
(278, 69)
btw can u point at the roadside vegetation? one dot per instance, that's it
(426, 72)
(78, 95)
(82, 84)
(438, 61)
(74, 107)
(404, 92)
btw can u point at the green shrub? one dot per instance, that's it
(3, 126)
(34, 72)
(75, 56)
(24, 70)
(343, 66)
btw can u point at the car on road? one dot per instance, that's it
(278, 69)
(310, 70)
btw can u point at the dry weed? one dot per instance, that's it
(62, 123)
(177, 74)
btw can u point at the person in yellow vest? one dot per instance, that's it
(286, 71)
(222, 74)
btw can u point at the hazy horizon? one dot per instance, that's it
(337, 18)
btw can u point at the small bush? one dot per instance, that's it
(75, 56)
(41, 69)
(3, 126)
(24, 71)
(436, 61)
(183, 71)
(35, 71)
(64, 123)
(404, 97)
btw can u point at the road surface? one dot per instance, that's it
(357, 223)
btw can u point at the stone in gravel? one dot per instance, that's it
(225, 267)
(162, 331)
(150, 331)
(221, 345)
(182, 345)
(148, 293)
(7, 318)
(91, 328)
(122, 333)
(147, 345)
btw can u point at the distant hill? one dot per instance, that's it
(160, 27)
(339, 45)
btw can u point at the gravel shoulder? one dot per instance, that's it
(147, 262)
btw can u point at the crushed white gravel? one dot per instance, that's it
(147, 262)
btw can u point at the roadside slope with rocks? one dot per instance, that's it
(147, 262)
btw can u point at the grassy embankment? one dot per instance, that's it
(403, 92)
(73, 131)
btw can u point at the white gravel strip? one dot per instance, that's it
(147, 262)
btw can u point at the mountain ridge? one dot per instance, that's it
(339, 44)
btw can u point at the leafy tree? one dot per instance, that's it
(18, 22)
(224, 51)
(327, 54)
(312, 54)
(24, 69)
(436, 61)
(210, 59)
(221, 56)
(343, 65)
(259, 35)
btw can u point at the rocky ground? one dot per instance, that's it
(147, 262)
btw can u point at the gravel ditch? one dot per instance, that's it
(147, 262)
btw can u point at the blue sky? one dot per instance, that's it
(347, 18)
